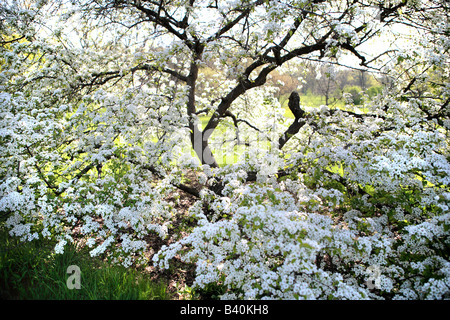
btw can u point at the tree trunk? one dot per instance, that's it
(199, 140)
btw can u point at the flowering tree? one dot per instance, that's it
(106, 105)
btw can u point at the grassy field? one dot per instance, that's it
(311, 101)
(30, 271)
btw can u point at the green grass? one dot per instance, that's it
(311, 100)
(30, 271)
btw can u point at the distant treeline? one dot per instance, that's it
(328, 82)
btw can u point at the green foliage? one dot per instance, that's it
(356, 93)
(32, 271)
(374, 91)
(211, 291)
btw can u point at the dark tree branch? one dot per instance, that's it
(101, 78)
(42, 176)
(389, 11)
(167, 22)
(249, 124)
(181, 186)
(290, 132)
(245, 84)
(171, 72)
(299, 122)
(231, 24)
(3, 42)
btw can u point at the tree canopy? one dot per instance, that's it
(111, 110)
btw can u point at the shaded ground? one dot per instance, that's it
(179, 274)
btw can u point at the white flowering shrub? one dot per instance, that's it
(262, 242)
(47, 195)
(106, 117)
